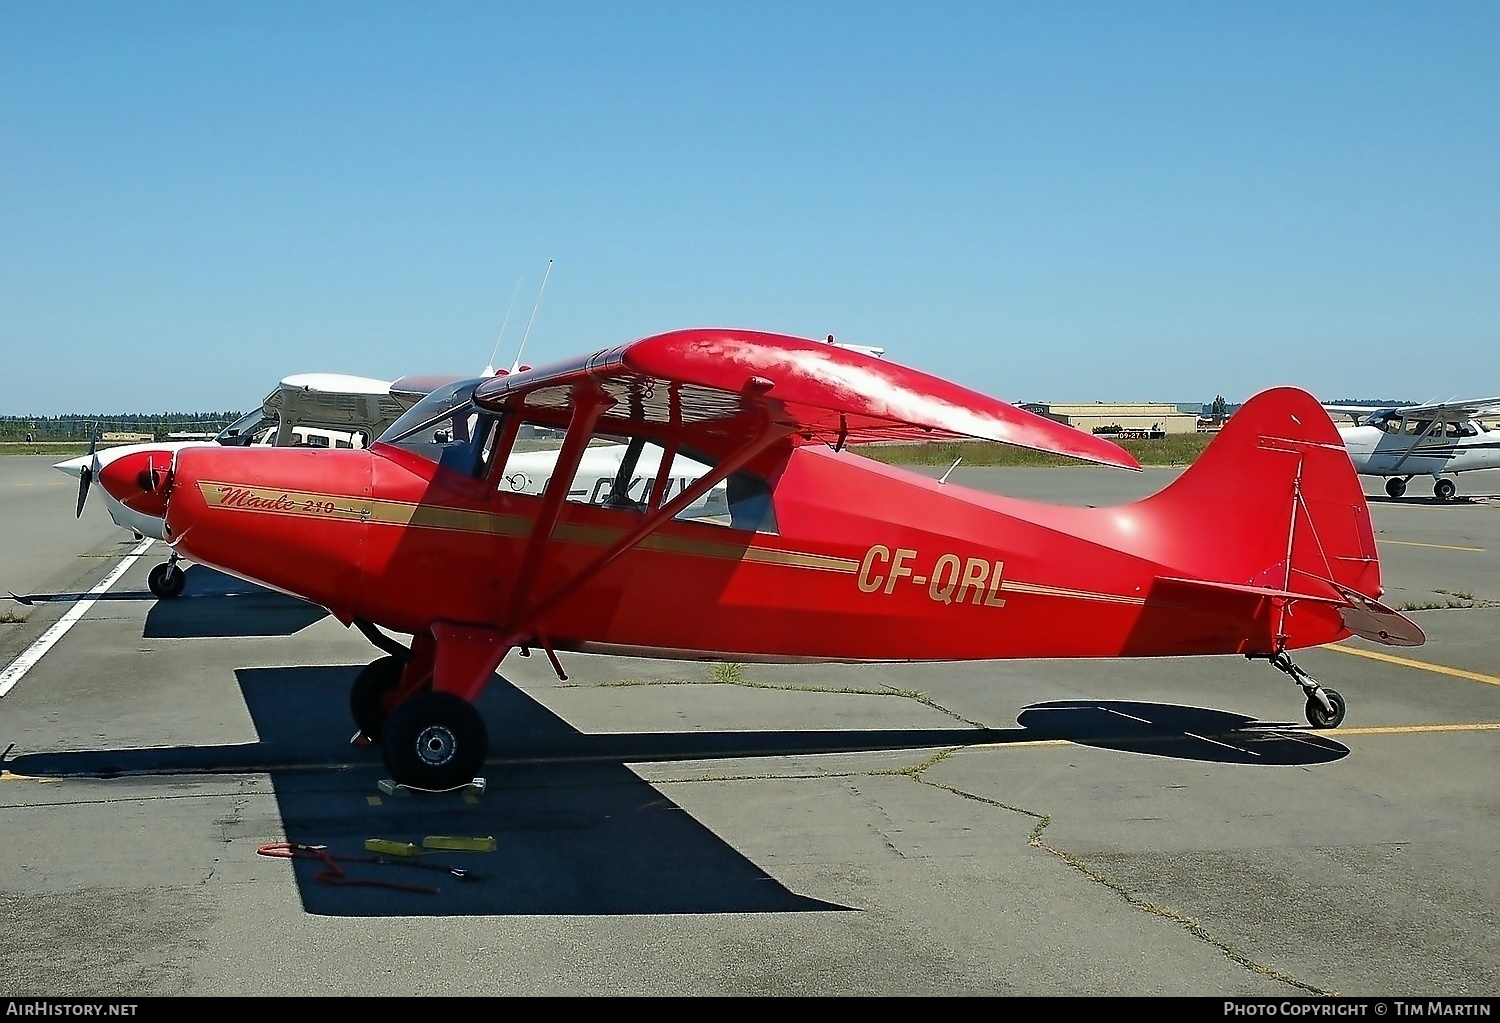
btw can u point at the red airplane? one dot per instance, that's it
(1262, 546)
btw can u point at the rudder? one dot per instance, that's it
(1282, 500)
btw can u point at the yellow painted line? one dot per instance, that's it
(1438, 546)
(1407, 662)
(1482, 726)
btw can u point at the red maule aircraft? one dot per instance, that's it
(1262, 546)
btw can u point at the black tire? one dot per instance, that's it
(367, 696)
(1320, 718)
(1395, 486)
(166, 581)
(1444, 490)
(434, 741)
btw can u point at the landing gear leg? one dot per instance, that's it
(419, 703)
(166, 581)
(1325, 707)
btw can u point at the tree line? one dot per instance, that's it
(82, 427)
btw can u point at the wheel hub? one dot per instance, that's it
(436, 745)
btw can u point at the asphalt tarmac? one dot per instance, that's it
(1120, 827)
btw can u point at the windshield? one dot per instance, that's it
(446, 427)
(250, 428)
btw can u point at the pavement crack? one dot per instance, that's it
(731, 675)
(915, 773)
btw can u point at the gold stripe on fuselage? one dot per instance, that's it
(308, 504)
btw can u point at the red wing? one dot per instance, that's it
(726, 382)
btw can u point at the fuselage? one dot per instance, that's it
(1390, 450)
(865, 561)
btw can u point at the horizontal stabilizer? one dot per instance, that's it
(1366, 618)
(1372, 620)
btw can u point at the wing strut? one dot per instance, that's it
(769, 434)
(1436, 424)
(589, 403)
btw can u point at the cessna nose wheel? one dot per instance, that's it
(434, 741)
(166, 580)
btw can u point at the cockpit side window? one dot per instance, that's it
(626, 473)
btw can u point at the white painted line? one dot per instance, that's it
(18, 668)
(1216, 742)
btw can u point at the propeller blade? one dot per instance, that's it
(87, 475)
(84, 479)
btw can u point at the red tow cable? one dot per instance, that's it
(335, 875)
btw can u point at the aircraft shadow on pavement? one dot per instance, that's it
(576, 831)
(219, 605)
(1181, 733)
(211, 604)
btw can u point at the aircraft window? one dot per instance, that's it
(620, 472)
(446, 428)
(251, 428)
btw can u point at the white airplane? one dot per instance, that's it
(313, 409)
(1437, 440)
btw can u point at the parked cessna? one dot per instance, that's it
(1262, 546)
(1436, 440)
(315, 410)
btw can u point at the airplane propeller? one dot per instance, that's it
(87, 475)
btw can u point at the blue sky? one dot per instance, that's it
(1042, 201)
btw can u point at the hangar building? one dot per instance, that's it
(1136, 419)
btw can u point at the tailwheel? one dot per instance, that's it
(1444, 490)
(1325, 707)
(1325, 717)
(166, 580)
(1395, 486)
(434, 741)
(373, 686)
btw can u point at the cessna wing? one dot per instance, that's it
(1443, 411)
(717, 388)
(1356, 414)
(1451, 410)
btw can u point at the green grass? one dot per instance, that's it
(1174, 449)
(57, 449)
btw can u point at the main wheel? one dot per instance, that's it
(373, 685)
(434, 740)
(1444, 490)
(166, 580)
(1395, 486)
(1320, 718)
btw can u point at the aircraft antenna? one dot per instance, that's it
(489, 369)
(517, 364)
(944, 477)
